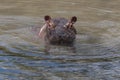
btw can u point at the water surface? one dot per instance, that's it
(95, 55)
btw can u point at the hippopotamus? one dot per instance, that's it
(59, 31)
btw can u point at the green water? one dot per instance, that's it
(97, 46)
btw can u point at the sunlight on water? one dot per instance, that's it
(94, 56)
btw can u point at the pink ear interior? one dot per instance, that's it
(47, 18)
(74, 19)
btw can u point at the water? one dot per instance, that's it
(95, 56)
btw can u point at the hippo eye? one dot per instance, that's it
(66, 25)
(51, 25)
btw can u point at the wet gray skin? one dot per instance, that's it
(60, 35)
(59, 31)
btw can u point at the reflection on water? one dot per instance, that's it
(94, 56)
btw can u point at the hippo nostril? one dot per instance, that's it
(60, 37)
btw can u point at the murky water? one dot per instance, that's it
(97, 47)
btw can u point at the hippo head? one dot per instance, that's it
(60, 30)
(52, 23)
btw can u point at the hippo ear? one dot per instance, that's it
(73, 19)
(47, 18)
